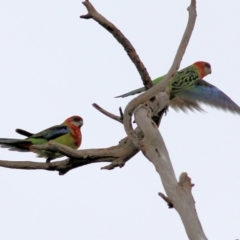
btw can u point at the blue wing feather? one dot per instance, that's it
(52, 133)
(207, 93)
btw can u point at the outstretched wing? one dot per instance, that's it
(207, 93)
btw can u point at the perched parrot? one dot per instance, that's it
(187, 89)
(68, 133)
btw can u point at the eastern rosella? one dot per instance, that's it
(187, 89)
(68, 133)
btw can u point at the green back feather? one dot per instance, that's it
(182, 79)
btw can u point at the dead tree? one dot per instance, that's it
(148, 109)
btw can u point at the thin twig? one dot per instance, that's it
(166, 199)
(108, 114)
(121, 113)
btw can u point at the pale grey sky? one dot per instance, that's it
(54, 65)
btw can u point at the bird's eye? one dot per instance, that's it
(207, 65)
(76, 119)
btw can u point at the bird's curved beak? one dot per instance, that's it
(81, 123)
(208, 70)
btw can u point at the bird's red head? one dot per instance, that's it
(204, 68)
(74, 120)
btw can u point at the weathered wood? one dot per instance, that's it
(178, 193)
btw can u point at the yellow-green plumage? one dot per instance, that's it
(182, 78)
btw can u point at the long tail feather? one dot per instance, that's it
(15, 144)
(23, 132)
(136, 91)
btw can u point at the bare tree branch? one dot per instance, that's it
(92, 13)
(116, 155)
(108, 114)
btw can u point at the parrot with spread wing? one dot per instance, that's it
(188, 89)
(68, 133)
